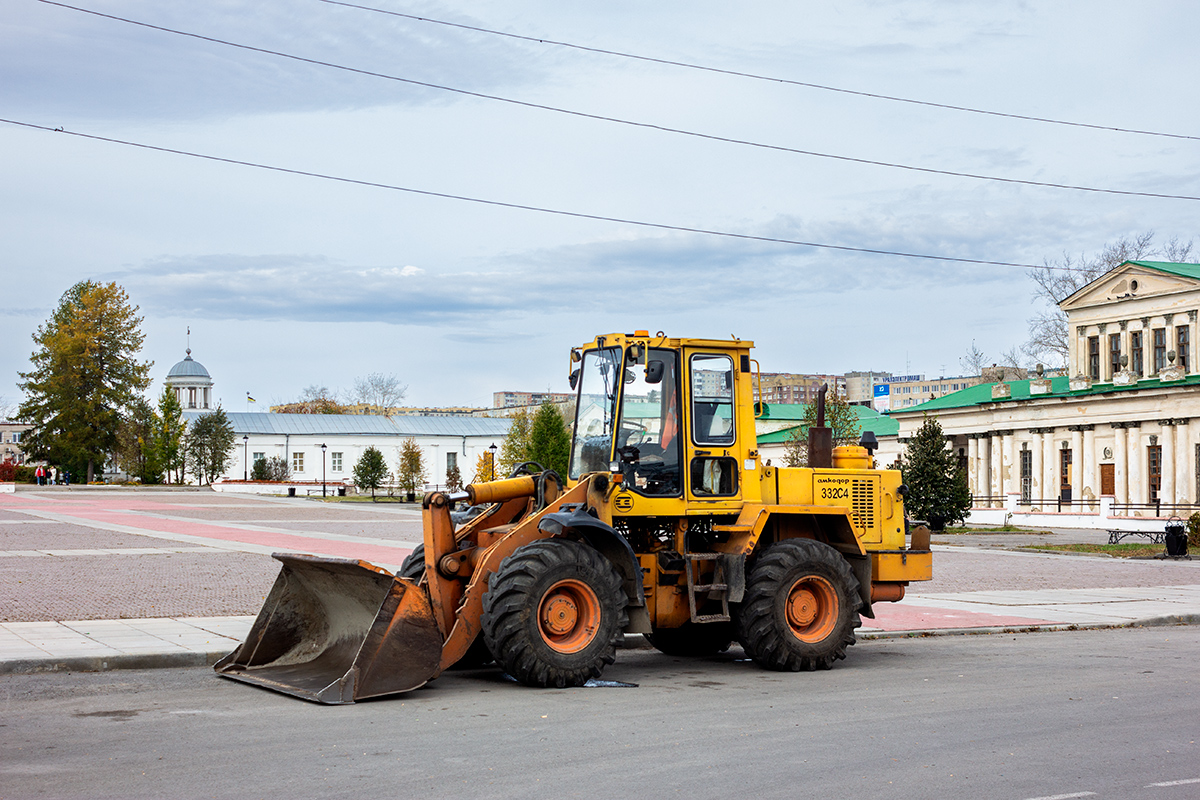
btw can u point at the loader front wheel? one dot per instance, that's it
(800, 608)
(553, 613)
(477, 655)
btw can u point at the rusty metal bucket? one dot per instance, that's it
(336, 630)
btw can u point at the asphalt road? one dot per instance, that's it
(1108, 714)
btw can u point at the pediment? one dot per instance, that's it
(1127, 282)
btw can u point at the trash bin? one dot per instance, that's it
(341, 491)
(291, 491)
(1176, 538)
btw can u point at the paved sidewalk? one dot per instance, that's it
(170, 579)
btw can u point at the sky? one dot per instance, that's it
(287, 280)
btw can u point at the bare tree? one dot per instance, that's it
(974, 360)
(379, 390)
(1055, 281)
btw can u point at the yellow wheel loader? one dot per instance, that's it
(666, 524)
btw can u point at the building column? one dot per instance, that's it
(1089, 483)
(1120, 468)
(1077, 463)
(1049, 464)
(1012, 470)
(1167, 439)
(1037, 490)
(1138, 466)
(972, 464)
(997, 466)
(1184, 453)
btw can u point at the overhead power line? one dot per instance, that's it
(525, 207)
(627, 122)
(755, 76)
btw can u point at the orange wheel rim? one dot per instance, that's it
(569, 616)
(812, 608)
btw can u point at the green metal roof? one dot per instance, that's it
(868, 419)
(1059, 387)
(1183, 270)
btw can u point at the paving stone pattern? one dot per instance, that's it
(215, 583)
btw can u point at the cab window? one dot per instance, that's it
(648, 439)
(712, 399)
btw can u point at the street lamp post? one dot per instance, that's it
(492, 462)
(246, 457)
(322, 470)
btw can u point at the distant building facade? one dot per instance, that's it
(12, 436)
(787, 387)
(522, 399)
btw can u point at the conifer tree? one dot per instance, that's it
(169, 435)
(937, 486)
(85, 373)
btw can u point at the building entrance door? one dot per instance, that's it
(1108, 479)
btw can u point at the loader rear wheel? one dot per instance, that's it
(477, 655)
(692, 639)
(553, 613)
(800, 608)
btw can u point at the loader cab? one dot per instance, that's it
(673, 417)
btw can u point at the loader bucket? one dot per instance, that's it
(336, 630)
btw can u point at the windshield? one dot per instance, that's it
(648, 438)
(594, 414)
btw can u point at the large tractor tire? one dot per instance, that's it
(477, 655)
(553, 613)
(413, 566)
(692, 639)
(800, 608)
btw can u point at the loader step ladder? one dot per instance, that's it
(720, 584)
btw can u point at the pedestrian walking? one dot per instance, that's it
(54, 476)
(41, 475)
(66, 477)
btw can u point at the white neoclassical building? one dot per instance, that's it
(1120, 437)
(325, 447)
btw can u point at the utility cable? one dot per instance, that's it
(631, 123)
(755, 76)
(522, 206)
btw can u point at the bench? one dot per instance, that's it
(1155, 537)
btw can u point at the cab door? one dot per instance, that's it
(713, 470)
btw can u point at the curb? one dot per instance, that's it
(32, 666)
(631, 641)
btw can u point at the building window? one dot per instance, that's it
(1183, 346)
(1114, 353)
(1094, 357)
(451, 461)
(298, 461)
(1155, 459)
(1135, 353)
(259, 457)
(1026, 475)
(1160, 349)
(335, 462)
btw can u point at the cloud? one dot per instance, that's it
(62, 62)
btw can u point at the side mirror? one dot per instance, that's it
(654, 371)
(574, 378)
